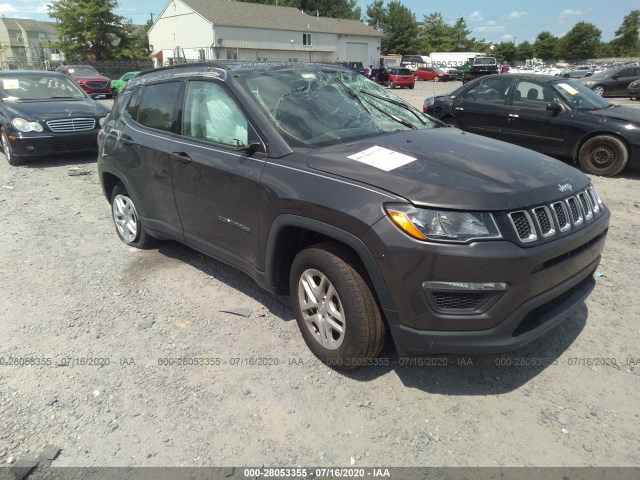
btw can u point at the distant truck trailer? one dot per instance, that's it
(452, 59)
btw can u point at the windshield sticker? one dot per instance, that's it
(10, 83)
(71, 70)
(382, 158)
(568, 88)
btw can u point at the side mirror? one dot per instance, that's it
(554, 107)
(615, 77)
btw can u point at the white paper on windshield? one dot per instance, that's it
(10, 83)
(568, 88)
(382, 158)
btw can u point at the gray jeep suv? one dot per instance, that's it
(373, 218)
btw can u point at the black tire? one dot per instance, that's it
(567, 75)
(603, 155)
(140, 238)
(114, 93)
(331, 268)
(436, 79)
(412, 86)
(452, 122)
(600, 90)
(416, 78)
(8, 151)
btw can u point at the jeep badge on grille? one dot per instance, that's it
(565, 187)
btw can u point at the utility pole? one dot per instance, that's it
(151, 14)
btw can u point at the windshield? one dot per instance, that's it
(314, 108)
(579, 96)
(606, 73)
(25, 87)
(82, 72)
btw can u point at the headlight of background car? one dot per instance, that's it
(443, 225)
(23, 125)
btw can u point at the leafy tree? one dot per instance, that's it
(505, 51)
(400, 29)
(134, 43)
(460, 32)
(376, 13)
(525, 51)
(435, 34)
(627, 40)
(88, 28)
(546, 47)
(581, 42)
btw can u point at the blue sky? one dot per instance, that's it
(493, 20)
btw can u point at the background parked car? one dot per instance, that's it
(552, 115)
(613, 81)
(577, 72)
(116, 85)
(44, 113)
(430, 73)
(89, 79)
(356, 66)
(633, 90)
(399, 77)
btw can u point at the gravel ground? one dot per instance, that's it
(107, 326)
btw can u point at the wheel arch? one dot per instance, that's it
(289, 234)
(590, 135)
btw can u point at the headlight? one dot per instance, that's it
(23, 125)
(589, 82)
(443, 225)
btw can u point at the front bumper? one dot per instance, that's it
(47, 143)
(546, 283)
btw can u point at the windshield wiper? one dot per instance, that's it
(396, 118)
(394, 102)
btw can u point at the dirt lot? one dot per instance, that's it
(107, 327)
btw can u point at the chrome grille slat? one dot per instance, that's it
(70, 125)
(562, 216)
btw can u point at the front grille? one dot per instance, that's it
(67, 125)
(562, 216)
(96, 85)
(457, 300)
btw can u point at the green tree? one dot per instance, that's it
(435, 35)
(525, 51)
(460, 32)
(627, 40)
(376, 13)
(546, 47)
(88, 28)
(581, 42)
(400, 29)
(505, 51)
(134, 43)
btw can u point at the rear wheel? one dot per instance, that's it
(334, 306)
(603, 155)
(8, 151)
(126, 219)
(599, 89)
(412, 86)
(436, 79)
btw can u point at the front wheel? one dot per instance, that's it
(334, 306)
(452, 122)
(126, 219)
(603, 155)
(599, 89)
(8, 151)
(436, 79)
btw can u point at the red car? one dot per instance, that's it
(397, 77)
(430, 73)
(87, 78)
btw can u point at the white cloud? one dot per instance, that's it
(7, 8)
(570, 12)
(476, 17)
(507, 38)
(490, 26)
(516, 15)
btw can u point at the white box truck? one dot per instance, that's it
(451, 59)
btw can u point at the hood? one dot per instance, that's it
(624, 114)
(455, 169)
(91, 78)
(43, 110)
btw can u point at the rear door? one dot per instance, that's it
(619, 84)
(216, 185)
(481, 108)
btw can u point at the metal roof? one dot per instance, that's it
(270, 17)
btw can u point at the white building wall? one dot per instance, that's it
(186, 29)
(373, 49)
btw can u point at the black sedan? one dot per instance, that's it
(552, 115)
(613, 81)
(45, 113)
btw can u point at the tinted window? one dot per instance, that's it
(134, 103)
(211, 114)
(532, 95)
(489, 90)
(156, 107)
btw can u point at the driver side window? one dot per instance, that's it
(211, 114)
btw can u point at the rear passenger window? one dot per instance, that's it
(157, 105)
(532, 95)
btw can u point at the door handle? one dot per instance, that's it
(514, 115)
(181, 157)
(460, 109)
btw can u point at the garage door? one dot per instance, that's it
(357, 52)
